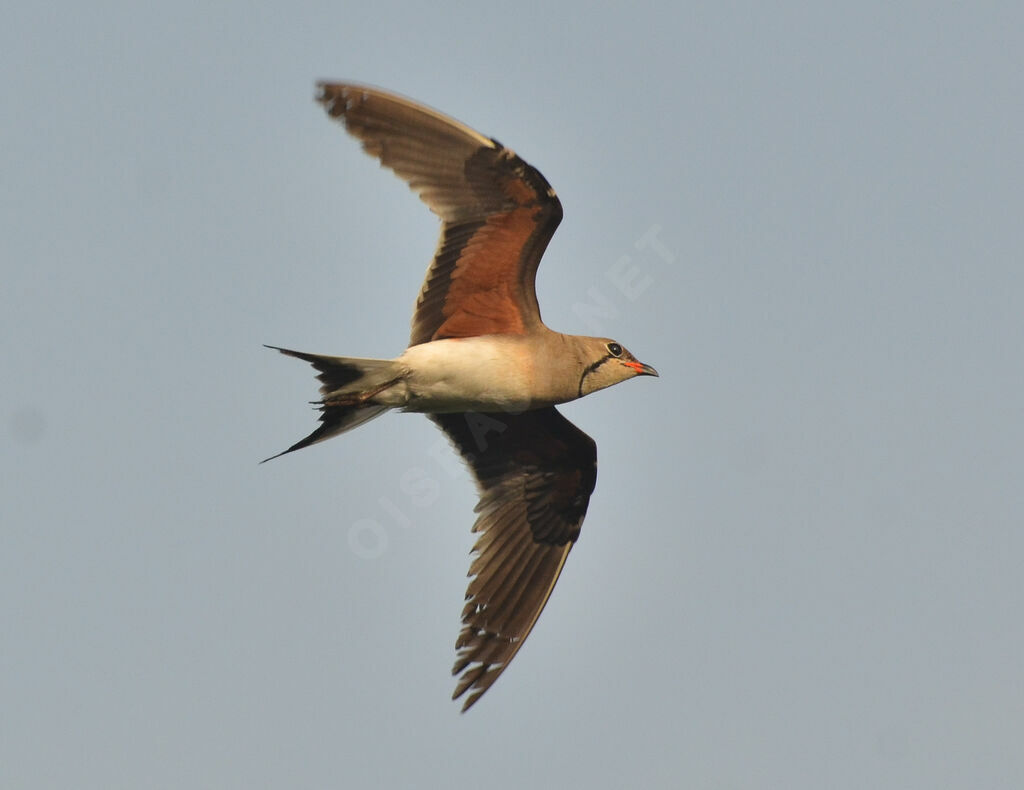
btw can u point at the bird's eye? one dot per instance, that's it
(614, 349)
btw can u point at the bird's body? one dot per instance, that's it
(481, 364)
(486, 373)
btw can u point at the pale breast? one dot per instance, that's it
(487, 373)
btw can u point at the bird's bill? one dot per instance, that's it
(641, 369)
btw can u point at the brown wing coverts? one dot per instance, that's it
(498, 212)
(535, 472)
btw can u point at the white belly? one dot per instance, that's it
(488, 373)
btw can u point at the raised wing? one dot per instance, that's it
(535, 472)
(498, 213)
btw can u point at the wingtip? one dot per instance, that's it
(286, 351)
(470, 701)
(338, 97)
(322, 91)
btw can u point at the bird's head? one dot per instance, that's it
(608, 363)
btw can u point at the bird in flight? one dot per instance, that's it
(481, 364)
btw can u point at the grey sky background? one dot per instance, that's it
(802, 563)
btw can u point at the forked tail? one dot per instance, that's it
(348, 386)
